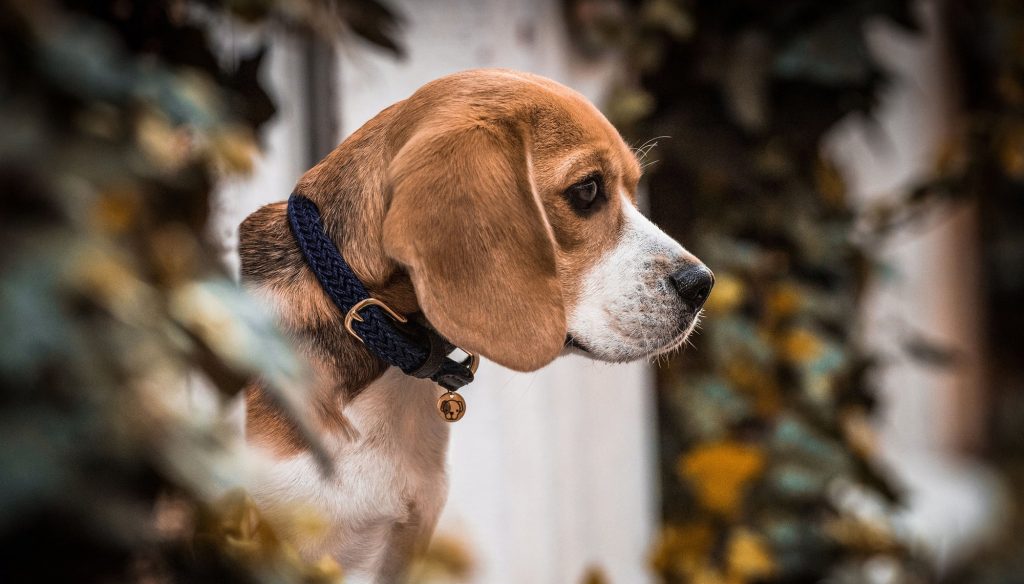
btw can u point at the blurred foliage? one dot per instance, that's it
(984, 166)
(118, 119)
(447, 560)
(764, 426)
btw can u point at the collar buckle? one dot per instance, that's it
(353, 315)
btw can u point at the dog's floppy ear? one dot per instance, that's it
(466, 223)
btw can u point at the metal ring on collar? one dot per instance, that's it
(353, 315)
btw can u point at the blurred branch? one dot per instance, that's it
(119, 119)
(771, 407)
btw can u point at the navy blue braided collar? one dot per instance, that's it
(415, 349)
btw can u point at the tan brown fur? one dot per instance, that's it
(450, 203)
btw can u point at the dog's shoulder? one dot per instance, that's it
(266, 248)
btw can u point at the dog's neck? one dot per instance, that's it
(273, 267)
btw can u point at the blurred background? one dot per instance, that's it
(851, 411)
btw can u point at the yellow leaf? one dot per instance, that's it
(720, 473)
(829, 182)
(709, 575)
(236, 526)
(755, 382)
(177, 255)
(627, 105)
(952, 156)
(116, 210)
(727, 295)
(670, 16)
(240, 523)
(448, 559)
(862, 535)
(234, 149)
(1011, 150)
(858, 431)
(783, 301)
(680, 548)
(743, 374)
(110, 281)
(801, 346)
(594, 575)
(326, 571)
(747, 556)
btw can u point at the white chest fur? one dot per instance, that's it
(388, 484)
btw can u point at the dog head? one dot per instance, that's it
(511, 203)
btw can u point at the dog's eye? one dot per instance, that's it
(582, 195)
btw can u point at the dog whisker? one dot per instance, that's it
(646, 165)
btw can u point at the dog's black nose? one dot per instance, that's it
(694, 283)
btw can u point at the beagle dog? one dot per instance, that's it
(499, 205)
